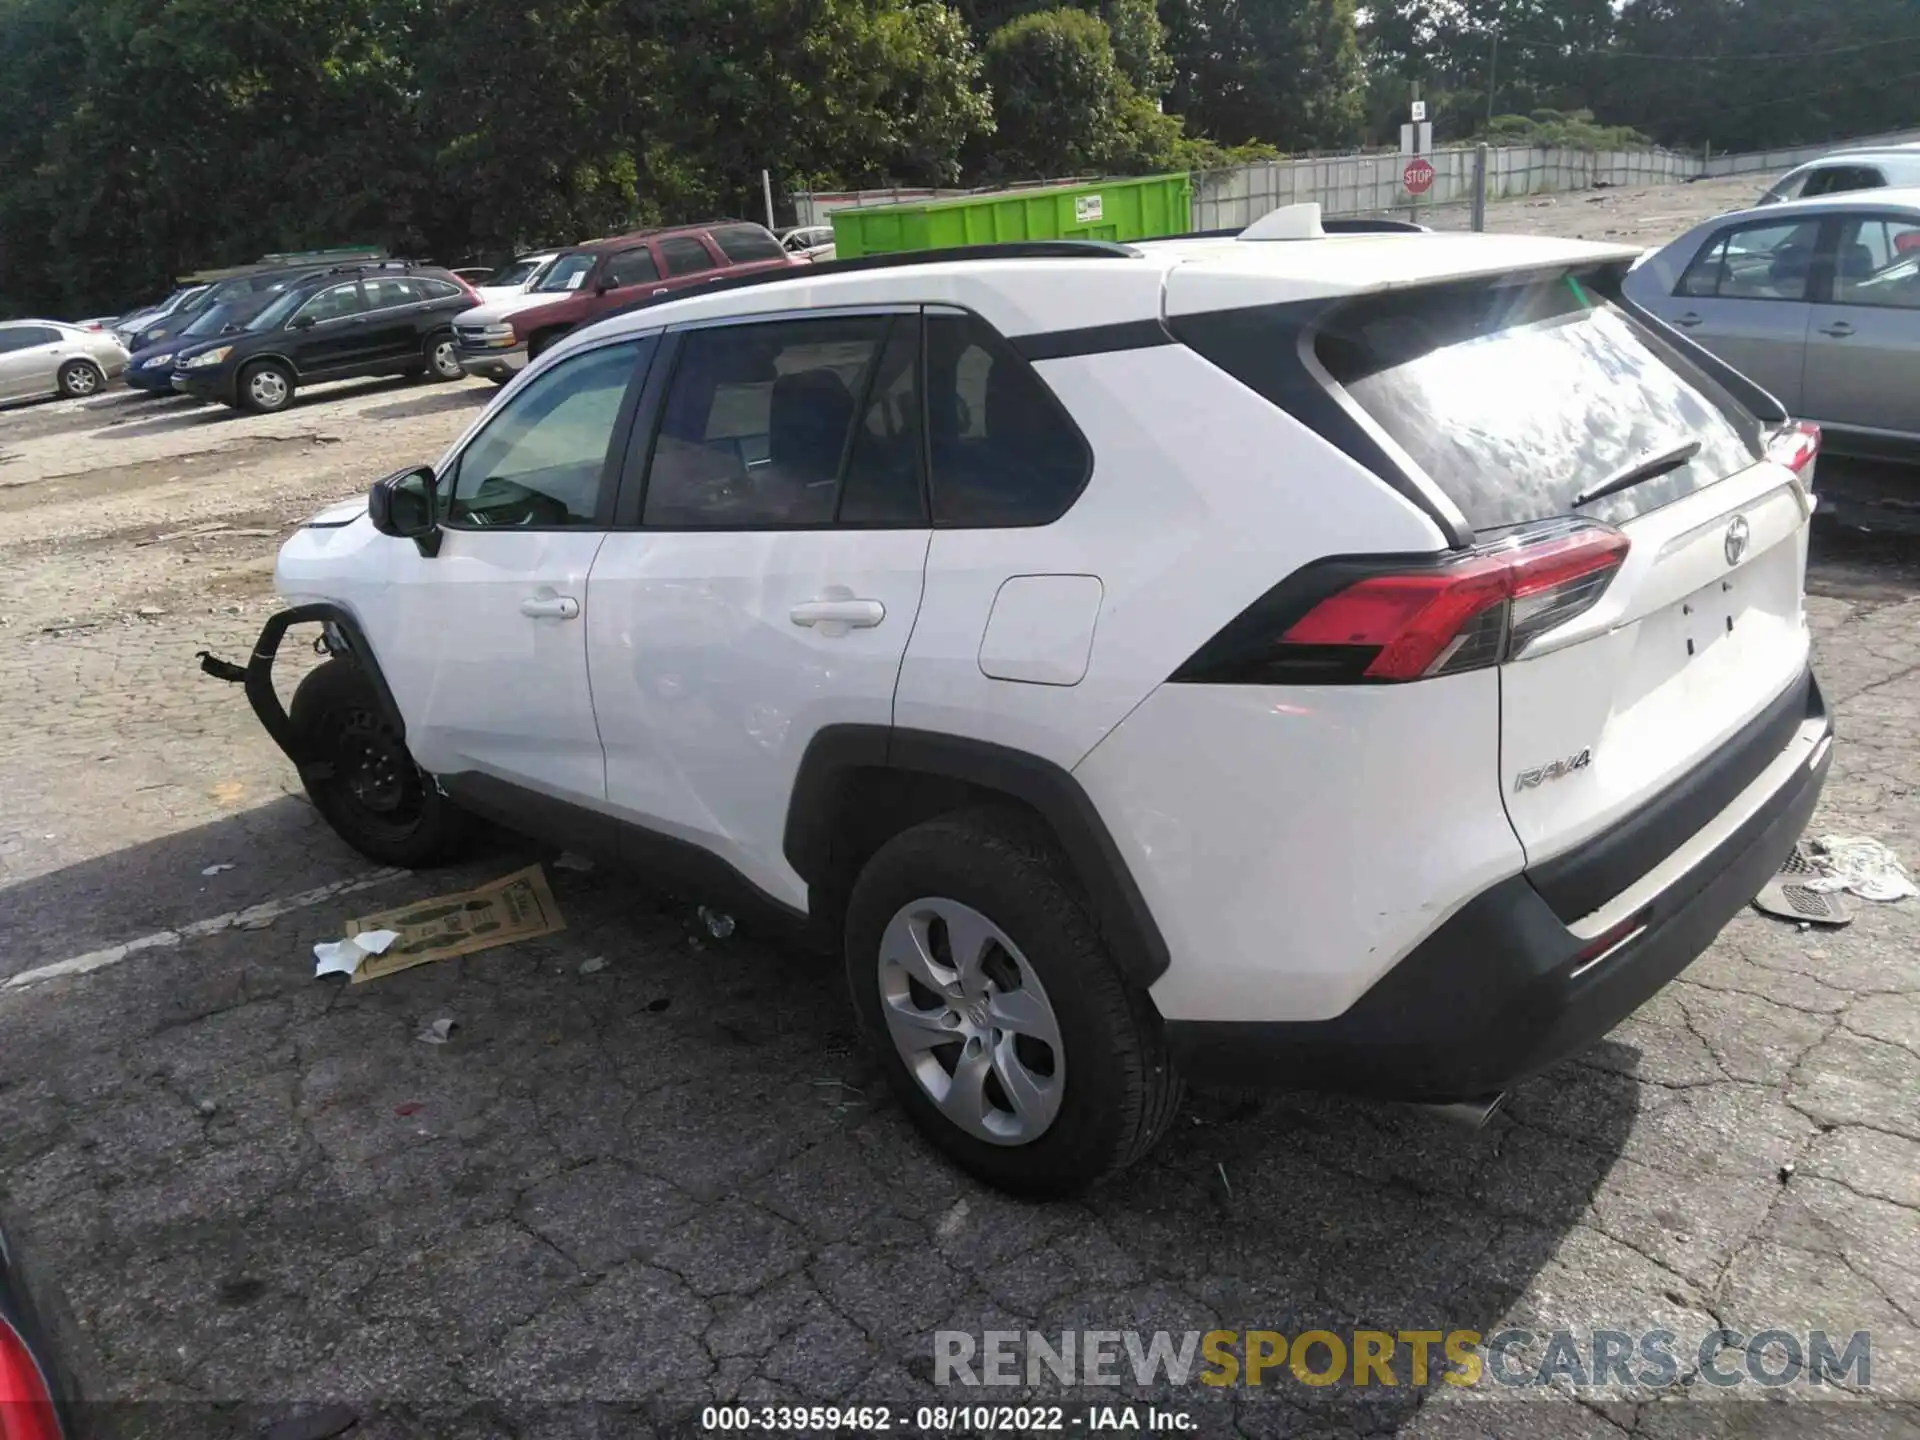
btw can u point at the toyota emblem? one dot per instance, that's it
(1737, 539)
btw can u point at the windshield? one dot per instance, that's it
(276, 313)
(216, 318)
(569, 272)
(518, 273)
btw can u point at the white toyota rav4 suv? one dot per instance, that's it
(1360, 661)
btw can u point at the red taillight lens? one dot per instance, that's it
(26, 1408)
(1796, 446)
(1474, 612)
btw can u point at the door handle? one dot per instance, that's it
(550, 607)
(850, 614)
(1688, 320)
(1839, 330)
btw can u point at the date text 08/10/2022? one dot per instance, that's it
(933, 1420)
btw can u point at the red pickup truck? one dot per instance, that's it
(599, 277)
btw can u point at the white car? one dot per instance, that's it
(1374, 662)
(1877, 168)
(516, 277)
(39, 358)
(808, 242)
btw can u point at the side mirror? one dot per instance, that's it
(405, 505)
(301, 322)
(603, 287)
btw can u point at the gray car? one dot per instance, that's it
(1817, 300)
(47, 357)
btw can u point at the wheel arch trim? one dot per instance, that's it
(265, 700)
(837, 753)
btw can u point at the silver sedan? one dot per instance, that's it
(47, 357)
(1816, 300)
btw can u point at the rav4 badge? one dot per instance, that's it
(1527, 779)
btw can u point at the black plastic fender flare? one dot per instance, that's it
(266, 703)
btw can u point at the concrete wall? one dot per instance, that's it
(1769, 160)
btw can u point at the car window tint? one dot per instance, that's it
(430, 289)
(1004, 451)
(684, 255)
(882, 485)
(745, 244)
(1772, 261)
(1877, 263)
(25, 337)
(1839, 179)
(756, 423)
(632, 267)
(540, 459)
(333, 304)
(388, 294)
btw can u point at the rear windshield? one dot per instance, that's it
(1518, 395)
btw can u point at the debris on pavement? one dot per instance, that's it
(439, 1032)
(1792, 896)
(322, 1424)
(1786, 1172)
(409, 1107)
(567, 860)
(216, 869)
(719, 924)
(515, 907)
(345, 957)
(593, 966)
(1861, 865)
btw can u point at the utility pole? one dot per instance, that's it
(766, 193)
(1493, 77)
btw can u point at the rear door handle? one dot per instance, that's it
(846, 614)
(1688, 320)
(1840, 329)
(550, 607)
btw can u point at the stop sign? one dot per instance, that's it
(1418, 175)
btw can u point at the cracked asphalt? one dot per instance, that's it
(624, 1192)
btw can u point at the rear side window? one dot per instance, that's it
(1838, 179)
(684, 255)
(745, 244)
(430, 289)
(1004, 450)
(1516, 397)
(1771, 261)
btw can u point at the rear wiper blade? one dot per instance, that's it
(1648, 468)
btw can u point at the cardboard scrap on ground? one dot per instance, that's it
(515, 907)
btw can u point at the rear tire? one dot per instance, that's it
(80, 377)
(1070, 1078)
(265, 387)
(376, 798)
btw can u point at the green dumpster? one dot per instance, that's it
(1136, 209)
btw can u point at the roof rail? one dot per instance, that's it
(1332, 227)
(360, 269)
(1006, 250)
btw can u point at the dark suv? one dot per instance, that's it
(588, 281)
(352, 320)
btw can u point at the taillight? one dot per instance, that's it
(1391, 622)
(1796, 446)
(26, 1408)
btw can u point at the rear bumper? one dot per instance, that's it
(1502, 990)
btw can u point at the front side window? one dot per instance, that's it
(632, 267)
(541, 459)
(1004, 451)
(757, 423)
(1772, 261)
(336, 303)
(684, 255)
(1877, 263)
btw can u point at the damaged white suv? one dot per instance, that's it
(1370, 661)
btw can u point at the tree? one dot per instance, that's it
(1286, 72)
(1057, 93)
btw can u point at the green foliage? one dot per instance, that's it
(1281, 72)
(1571, 131)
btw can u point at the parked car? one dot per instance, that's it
(1373, 662)
(263, 280)
(1816, 300)
(131, 325)
(515, 278)
(1893, 166)
(390, 318)
(809, 242)
(151, 370)
(588, 281)
(48, 357)
(34, 1389)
